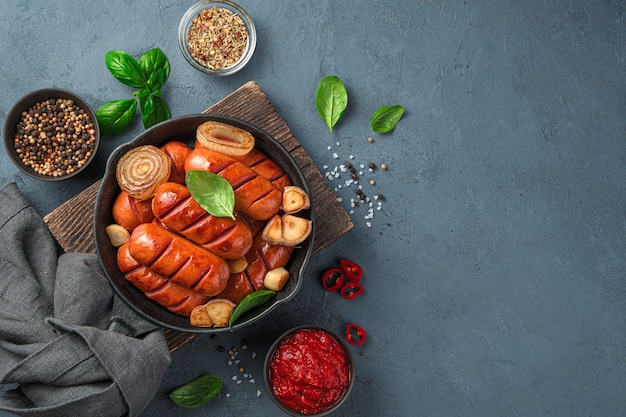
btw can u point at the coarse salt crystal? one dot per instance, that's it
(258, 393)
(234, 378)
(252, 381)
(340, 199)
(368, 224)
(239, 381)
(324, 166)
(329, 148)
(335, 155)
(227, 395)
(253, 355)
(351, 156)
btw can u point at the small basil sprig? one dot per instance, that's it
(212, 192)
(250, 301)
(197, 392)
(331, 100)
(385, 118)
(148, 74)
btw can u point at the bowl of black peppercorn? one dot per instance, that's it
(51, 134)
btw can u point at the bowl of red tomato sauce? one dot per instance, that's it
(309, 370)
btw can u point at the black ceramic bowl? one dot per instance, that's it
(28, 101)
(267, 375)
(184, 129)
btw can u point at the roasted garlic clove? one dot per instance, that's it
(140, 170)
(273, 231)
(295, 199)
(200, 317)
(288, 230)
(237, 265)
(276, 279)
(224, 138)
(118, 235)
(219, 309)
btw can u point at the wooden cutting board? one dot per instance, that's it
(72, 222)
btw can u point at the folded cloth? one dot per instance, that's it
(60, 343)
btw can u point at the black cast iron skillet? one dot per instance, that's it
(184, 129)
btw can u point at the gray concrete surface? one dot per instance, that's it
(495, 269)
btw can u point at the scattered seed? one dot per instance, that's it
(383, 166)
(370, 139)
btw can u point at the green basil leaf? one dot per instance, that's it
(156, 68)
(125, 68)
(250, 301)
(197, 392)
(212, 192)
(331, 100)
(385, 118)
(115, 116)
(153, 110)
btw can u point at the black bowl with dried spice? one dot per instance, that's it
(217, 37)
(51, 134)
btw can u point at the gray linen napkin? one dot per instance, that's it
(58, 337)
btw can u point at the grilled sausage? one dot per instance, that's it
(130, 213)
(177, 152)
(178, 259)
(265, 167)
(254, 195)
(176, 298)
(175, 208)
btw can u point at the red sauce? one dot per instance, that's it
(309, 372)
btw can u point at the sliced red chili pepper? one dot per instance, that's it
(352, 271)
(355, 334)
(351, 290)
(332, 279)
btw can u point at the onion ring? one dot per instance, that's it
(140, 170)
(224, 138)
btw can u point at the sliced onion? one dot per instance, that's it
(224, 138)
(140, 170)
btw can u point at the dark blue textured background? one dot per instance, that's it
(495, 269)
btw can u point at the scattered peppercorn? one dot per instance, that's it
(383, 166)
(55, 137)
(370, 139)
(372, 166)
(372, 182)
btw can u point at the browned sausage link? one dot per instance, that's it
(177, 152)
(265, 167)
(175, 208)
(174, 297)
(130, 213)
(178, 259)
(263, 257)
(254, 195)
